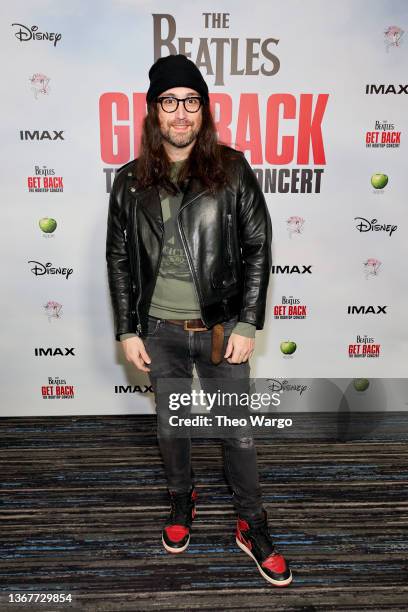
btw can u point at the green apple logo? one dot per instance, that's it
(288, 347)
(47, 225)
(379, 180)
(361, 384)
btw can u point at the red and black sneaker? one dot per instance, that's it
(254, 539)
(176, 532)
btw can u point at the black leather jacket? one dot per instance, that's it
(227, 240)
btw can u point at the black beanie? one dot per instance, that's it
(175, 71)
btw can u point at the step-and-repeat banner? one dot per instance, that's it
(314, 93)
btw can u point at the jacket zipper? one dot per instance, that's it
(229, 226)
(188, 254)
(157, 267)
(131, 280)
(139, 325)
(136, 311)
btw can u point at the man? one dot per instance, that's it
(188, 250)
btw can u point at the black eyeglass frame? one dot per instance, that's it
(183, 100)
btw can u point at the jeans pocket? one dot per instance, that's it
(153, 326)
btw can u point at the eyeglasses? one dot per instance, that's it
(170, 104)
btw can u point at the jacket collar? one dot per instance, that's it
(149, 197)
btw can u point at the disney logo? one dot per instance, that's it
(367, 226)
(24, 34)
(40, 269)
(284, 385)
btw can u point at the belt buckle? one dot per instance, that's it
(187, 328)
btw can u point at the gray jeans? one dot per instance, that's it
(173, 352)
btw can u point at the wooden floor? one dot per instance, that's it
(83, 500)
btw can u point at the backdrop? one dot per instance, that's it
(314, 93)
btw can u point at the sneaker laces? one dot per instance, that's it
(180, 503)
(261, 534)
(258, 529)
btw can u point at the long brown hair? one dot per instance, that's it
(206, 160)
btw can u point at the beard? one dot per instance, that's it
(179, 140)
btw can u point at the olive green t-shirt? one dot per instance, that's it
(174, 295)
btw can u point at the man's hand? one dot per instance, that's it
(135, 352)
(239, 348)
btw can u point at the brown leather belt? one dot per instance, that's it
(190, 324)
(217, 335)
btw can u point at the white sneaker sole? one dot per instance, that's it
(278, 583)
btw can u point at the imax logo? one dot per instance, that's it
(44, 135)
(291, 270)
(386, 89)
(53, 352)
(367, 309)
(133, 389)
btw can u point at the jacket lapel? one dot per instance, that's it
(149, 198)
(192, 190)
